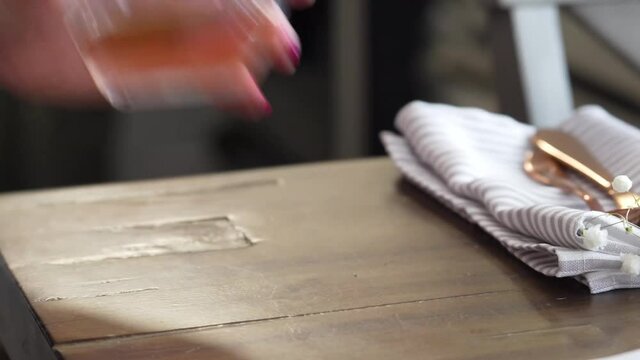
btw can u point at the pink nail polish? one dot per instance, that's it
(267, 110)
(294, 53)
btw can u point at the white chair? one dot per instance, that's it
(531, 68)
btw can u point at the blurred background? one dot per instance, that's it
(362, 61)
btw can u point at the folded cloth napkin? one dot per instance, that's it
(472, 161)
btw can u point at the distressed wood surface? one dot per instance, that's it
(338, 260)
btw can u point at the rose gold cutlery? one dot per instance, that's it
(570, 152)
(545, 170)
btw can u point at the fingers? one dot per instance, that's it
(282, 44)
(283, 50)
(253, 105)
(279, 48)
(233, 88)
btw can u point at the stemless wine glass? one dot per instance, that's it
(156, 53)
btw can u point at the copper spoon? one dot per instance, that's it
(545, 170)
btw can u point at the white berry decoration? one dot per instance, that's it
(621, 184)
(631, 264)
(594, 238)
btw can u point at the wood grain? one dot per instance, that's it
(341, 260)
(500, 325)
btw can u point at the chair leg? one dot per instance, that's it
(531, 66)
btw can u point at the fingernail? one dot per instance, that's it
(294, 53)
(267, 110)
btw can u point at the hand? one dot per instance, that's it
(39, 61)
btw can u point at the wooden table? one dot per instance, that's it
(329, 261)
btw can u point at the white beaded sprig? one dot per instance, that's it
(621, 184)
(594, 238)
(630, 264)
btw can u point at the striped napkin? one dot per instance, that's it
(471, 160)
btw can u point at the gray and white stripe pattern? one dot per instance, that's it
(471, 160)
